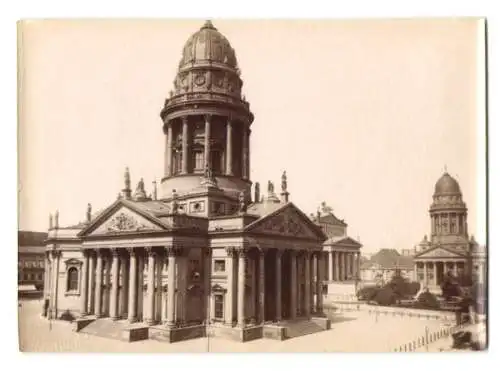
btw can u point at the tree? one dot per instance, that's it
(385, 296)
(450, 286)
(427, 300)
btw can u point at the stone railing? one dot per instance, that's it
(411, 313)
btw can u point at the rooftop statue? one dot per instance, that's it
(284, 183)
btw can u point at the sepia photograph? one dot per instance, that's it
(223, 185)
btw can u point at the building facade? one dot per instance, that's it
(31, 258)
(382, 266)
(200, 250)
(341, 254)
(449, 248)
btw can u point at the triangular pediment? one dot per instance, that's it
(343, 241)
(122, 218)
(287, 221)
(439, 252)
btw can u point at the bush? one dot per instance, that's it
(413, 288)
(67, 316)
(367, 293)
(385, 296)
(426, 300)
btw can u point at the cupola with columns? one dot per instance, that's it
(206, 120)
(448, 213)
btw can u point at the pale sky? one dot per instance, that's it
(361, 114)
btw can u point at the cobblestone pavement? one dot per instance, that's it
(351, 332)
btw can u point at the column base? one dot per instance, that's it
(132, 320)
(115, 318)
(100, 315)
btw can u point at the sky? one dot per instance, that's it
(361, 114)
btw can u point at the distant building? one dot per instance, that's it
(341, 253)
(31, 258)
(382, 266)
(450, 248)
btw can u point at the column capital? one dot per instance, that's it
(132, 251)
(173, 251)
(55, 253)
(115, 252)
(184, 119)
(243, 251)
(208, 117)
(231, 251)
(151, 251)
(279, 252)
(261, 251)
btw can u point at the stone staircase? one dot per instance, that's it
(300, 328)
(106, 328)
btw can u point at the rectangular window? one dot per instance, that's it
(219, 306)
(219, 266)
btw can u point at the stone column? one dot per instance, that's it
(113, 306)
(229, 148)
(171, 253)
(455, 269)
(206, 157)
(426, 278)
(91, 283)
(262, 274)
(319, 284)
(98, 285)
(55, 283)
(150, 316)
(140, 284)
(107, 285)
(435, 274)
(158, 301)
(207, 272)
(241, 286)
(230, 252)
(293, 282)
(84, 281)
(184, 145)
(337, 265)
(124, 268)
(132, 293)
(330, 265)
(307, 291)
(168, 150)
(181, 276)
(46, 277)
(279, 253)
(244, 154)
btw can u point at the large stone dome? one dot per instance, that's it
(446, 185)
(208, 45)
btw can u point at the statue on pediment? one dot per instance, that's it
(325, 209)
(270, 187)
(284, 183)
(175, 203)
(242, 202)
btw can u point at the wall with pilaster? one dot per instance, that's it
(68, 300)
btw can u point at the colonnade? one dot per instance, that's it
(342, 265)
(186, 133)
(444, 222)
(113, 280)
(304, 285)
(429, 274)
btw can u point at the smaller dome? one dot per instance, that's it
(447, 185)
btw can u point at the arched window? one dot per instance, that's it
(72, 279)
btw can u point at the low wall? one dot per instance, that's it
(173, 335)
(273, 332)
(80, 323)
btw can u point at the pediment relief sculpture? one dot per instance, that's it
(124, 223)
(287, 224)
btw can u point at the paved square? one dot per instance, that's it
(350, 332)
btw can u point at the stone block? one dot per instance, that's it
(323, 322)
(135, 333)
(80, 323)
(273, 332)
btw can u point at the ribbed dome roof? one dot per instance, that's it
(446, 185)
(208, 44)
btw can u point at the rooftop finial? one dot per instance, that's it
(445, 169)
(155, 191)
(50, 221)
(89, 212)
(127, 178)
(208, 24)
(56, 219)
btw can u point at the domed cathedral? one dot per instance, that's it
(198, 253)
(450, 249)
